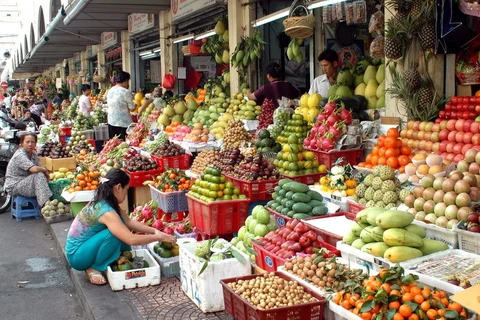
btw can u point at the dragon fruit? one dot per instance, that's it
(158, 224)
(168, 230)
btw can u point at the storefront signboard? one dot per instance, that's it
(184, 8)
(138, 22)
(109, 39)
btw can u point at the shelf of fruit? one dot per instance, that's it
(395, 295)
(294, 161)
(339, 180)
(85, 181)
(172, 180)
(296, 126)
(213, 186)
(53, 150)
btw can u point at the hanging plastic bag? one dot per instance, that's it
(377, 23)
(360, 11)
(327, 14)
(340, 10)
(377, 47)
(168, 81)
(349, 13)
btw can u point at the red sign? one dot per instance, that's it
(4, 85)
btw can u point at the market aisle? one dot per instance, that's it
(34, 281)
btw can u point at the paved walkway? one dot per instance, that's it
(163, 302)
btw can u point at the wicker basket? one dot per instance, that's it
(97, 78)
(301, 26)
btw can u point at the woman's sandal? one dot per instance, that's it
(96, 278)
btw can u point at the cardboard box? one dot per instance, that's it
(43, 161)
(55, 164)
(141, 195)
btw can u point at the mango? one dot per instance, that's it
(376, 249)
(372, 214)
(401, 253)
(377, 233)
(431, 246)
(358, 227)
(358, 244)
(402, 237)
(366, 235)
(394, 219)
(418, 230)
(349, 237)
(361, 216)
(63, 170)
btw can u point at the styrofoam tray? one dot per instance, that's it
(165, 263)
(331, 198)
(339, 225)
(205, 290)
(341, 312)
(142, 277)
(412, 266)
(435, 232)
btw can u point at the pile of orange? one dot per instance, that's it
(400, 298)
(389, 151)
(198, 96)
(85, 181)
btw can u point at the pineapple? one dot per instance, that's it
(425, 96)
(393, 45)
(417, 8)
(412, 77)
(427, 32)
(401, 7)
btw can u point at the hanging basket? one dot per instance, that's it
(97, 78)
(299, 26)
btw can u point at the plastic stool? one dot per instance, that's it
(23, 207)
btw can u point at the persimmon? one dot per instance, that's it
(375, 150)
(369, 166)
(403, 160)
(77, 188)
(361, 164)
(380, 141)
(382, 151)
(398, 143)
(374, 159)
(382, 160)
(368, 159)
(405, 150)
(390, 152)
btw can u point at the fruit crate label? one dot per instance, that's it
(135, 274)
(381, 263)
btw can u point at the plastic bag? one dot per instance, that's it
(168, 81)
(340, 11)
(327, 14)
(377, 23)
(377, 47)
(349, 14)
(283, 113)
(360, 11)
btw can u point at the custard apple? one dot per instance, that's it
(379, 204)
(390, 197)
(387, 173)
(390, 206)
(388, 185)
(403, 194)
(369, 193)
(362, 201)
(377, 195)
(368, 180)
(370, 204)
(360, 190)
(202, 250)
(377, 183)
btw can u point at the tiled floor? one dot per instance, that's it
(168, 302)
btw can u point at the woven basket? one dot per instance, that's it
(301, 26)
(97, 78)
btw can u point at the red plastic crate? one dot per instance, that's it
(353, 156)
(308, 179)
(66, 131)
(137, 178)
(269, 261)
(218, 217)
(255, 190)
(355, 207)
(171, 216)
(241, 309)
(177, 162)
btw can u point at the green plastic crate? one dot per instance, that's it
(57, 187)
(77, 207)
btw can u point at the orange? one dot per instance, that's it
(432, 314)
(405, 310)
(426, 292)
(366, 315)
(382, 151)
(368, 159)
(403, 160)
(398, 316)
(407, 297)
(395, 292)
(386, 287)
(82, 183)
(346, 304)
(390, 142)
(393, 133)
(418, 298)
(380, 141)
(382, 161)
(369, 166)
(394, 305)
(80, 177)
(405, 150)
(374, 159)
(398, 143)
(455, 306)
(375, 150)
(413, 316)
(392, 162)
(415, 290)
(390, 152)
(77, 188)
(361, 164)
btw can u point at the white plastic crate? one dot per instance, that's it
(205, 290)
(89, 134)
(331, 198)
(411, 267)
(359, 257)
(101, 132)
(468, 241)
(341, 313)
(435, 232)
(169, 267)
(134, 278)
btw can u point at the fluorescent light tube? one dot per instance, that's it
(145, 53)
(323, 3)
(205, 35)
(148, 56)
(183, 38)
(271, 17)
(156, 50)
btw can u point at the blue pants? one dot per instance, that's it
(98, 252)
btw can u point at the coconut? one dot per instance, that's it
(433, 160)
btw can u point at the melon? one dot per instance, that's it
(360, 89)
(370, 74)
(381, 90)
(180, 108)
(371, 88)
(169, 111)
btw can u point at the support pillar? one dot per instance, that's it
(101, 60)
(126, 52)
(166, 45)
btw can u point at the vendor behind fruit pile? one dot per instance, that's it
(276, 88)
(25, 176)
(84, 104)
(120, 103)
(155, 98)
(101, 231)
(328, 61)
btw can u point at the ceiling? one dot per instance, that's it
(10, 26)
(85, 29)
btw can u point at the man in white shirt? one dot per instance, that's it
(321, 84)
(84, 102)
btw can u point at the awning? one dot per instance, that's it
(82, 24)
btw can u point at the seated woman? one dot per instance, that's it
(101, 231)
(25, 176)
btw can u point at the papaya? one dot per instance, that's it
(372, 214)
(376, 249)
(298, 187)
(418, 230)
(394, 219)
(402, 237)
(320, 211)
(349, 237)
(366, 235)
(316, 203)
(300, 207)
(431, 246)
(300, 216)
(402, 253)
(377, 233)
(358, 244)
(315, 195)
(358, 227)
(301, 197)
(363, 214)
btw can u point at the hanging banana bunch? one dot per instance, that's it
(293, 50)
(249, 49)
